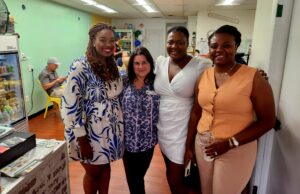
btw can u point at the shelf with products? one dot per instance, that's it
(10, 96)
(12, 101)
(5, 92)
(125, 39)
(6, 74)
(126, 46)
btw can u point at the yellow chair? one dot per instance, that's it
(49, 99)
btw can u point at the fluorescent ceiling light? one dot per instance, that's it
(100, 6)
(227, 2)
(90, 2)
(145, 5)
(141, 2)
(148, 8)
(107, 9)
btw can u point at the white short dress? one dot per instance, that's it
(176, 101)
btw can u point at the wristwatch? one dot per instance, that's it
(234, 142)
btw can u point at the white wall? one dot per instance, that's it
(155, 36)
(155, 32)
(263, 33)
(245, 25)
(192, 26)
(275, 171)
(276, 62)
(260, 57)
(156, 28)
(284, 170)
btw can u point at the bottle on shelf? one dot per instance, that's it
(5, 117)
(10, 68)
(1, 117)
(14, 112)
(5, 84)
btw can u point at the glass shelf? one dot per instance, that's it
(6, 74)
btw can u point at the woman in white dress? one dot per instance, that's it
(176, 76)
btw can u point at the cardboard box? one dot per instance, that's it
(14, 146)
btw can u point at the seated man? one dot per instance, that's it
(51, 82)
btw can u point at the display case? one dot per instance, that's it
(125, 37)
(12, 105)
(44, 169)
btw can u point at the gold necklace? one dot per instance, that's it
(226, 73)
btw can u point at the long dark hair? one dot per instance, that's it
(108, 71)
(141, 51)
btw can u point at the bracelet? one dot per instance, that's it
(230, 143)
(235, 142)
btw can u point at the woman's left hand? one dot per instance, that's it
(219, 147)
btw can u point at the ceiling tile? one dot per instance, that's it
(168, 8)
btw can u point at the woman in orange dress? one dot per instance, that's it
(227, 96)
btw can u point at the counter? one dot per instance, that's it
(47, 172)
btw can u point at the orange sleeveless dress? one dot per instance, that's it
(226, 110)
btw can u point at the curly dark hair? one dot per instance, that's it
(108, 71)
(141, 51)
(228, 29)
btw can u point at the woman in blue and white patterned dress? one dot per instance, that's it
(140, 108)
(91, 110)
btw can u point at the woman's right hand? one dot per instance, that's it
(86, 149)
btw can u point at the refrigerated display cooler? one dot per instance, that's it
(12, 104)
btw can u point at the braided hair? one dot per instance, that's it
(107, 71)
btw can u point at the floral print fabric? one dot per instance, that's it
(140, 110)
(91, 107)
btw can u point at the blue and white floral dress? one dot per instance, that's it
(91, 106)
(140, 109)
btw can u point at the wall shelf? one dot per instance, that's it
(125, 37)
